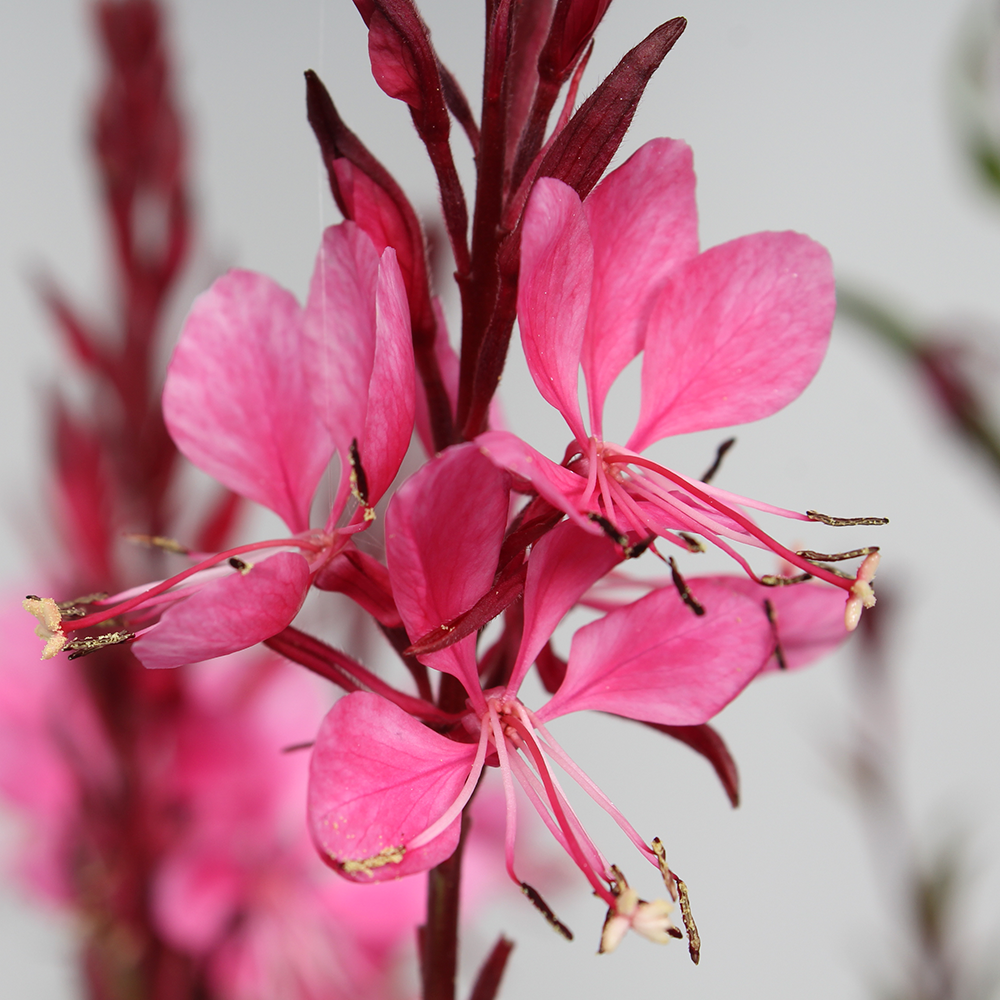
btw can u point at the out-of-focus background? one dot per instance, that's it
(831, 119)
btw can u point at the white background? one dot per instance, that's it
(827, 118)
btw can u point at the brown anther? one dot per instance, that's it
(88, 644)
(546, 911)
(634, 551)
(720, 454)
(661, 859)
(239, 564)
(295, 747)
(693, 544)
(840, 522)
(784, 581)
(694, 938)
(772, 617)
(359, 481)
(609, 529)
(86, 599)
(158, 542)
(684, 590)
(837, 556)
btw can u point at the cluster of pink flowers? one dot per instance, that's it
(263, 394)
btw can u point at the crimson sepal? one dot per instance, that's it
(582, 151)
(369, 195)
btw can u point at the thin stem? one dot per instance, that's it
(439, 936)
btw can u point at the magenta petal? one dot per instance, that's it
(557, 266)
(643, 223)
(358, 330)
(377, 779)
(236, 400)
(655, 661)
(809, 618)
(443, 532)
(228, 614)
(566, 563)
(562, 488)
(735, 335)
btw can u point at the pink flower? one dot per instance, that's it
(386, 792)
(729, 335)
(260, 393)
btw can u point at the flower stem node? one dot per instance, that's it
(862, 594)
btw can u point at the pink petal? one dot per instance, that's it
(643, 222)
(236, 400)
(557, 267)
(656, 661)
(566, 563)
(443, 532)
(228, 614)
(357, 325)
(562, 488)
(809, 616)
(196, 894)
(735, 335)
(377, 779)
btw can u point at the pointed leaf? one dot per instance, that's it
(735, 335)
(236, 400)
(377, 779)
(228, 614)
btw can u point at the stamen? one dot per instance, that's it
(772, 617)
(840, 522)
(81, 647)
(694, 544)
(359, 481)
(454, 810)
(156, 542)
(837, 556)
(785, 581)
(694, 938)
(684, 590)
(387, 856)
(609, 529)
(295, 747)
(661, 859)
(239, 564)
(720, 454)
(546, 911)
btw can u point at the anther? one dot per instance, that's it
(88, 644)
(772, 617)
(693, 544)
(634, 551)
(694, 938)
(157, 542)
(73, 609)
(295, 747)
(784, 581)
(359, 481)
(683, 589)
(239, 564)
(720, 454)
(836, 556)
(609, 529)
(840, 522)
(546, 911)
